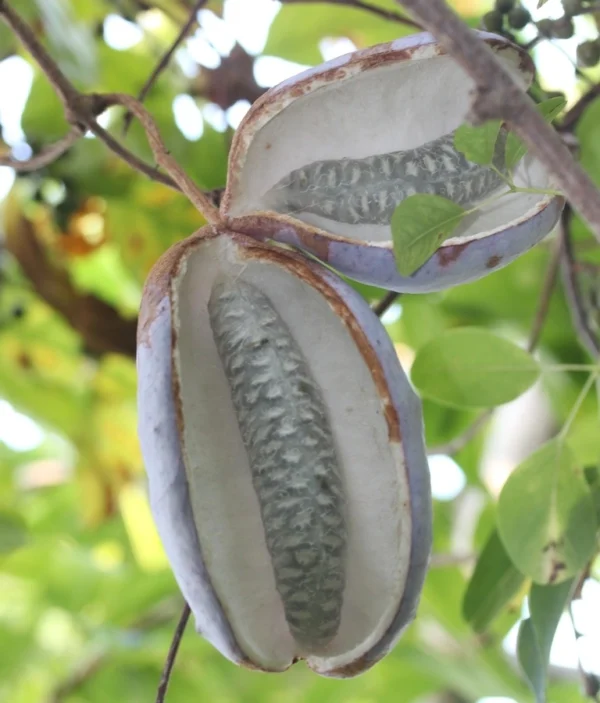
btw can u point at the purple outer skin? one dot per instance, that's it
(451, 265)
(168, 486)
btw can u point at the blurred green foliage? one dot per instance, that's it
(87, 601)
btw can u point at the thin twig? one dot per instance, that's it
(171, 656)
(498, 96)
(65, 90)
(197, 197)
(47, 155)
(591, 683)
(129, 157)
(82, 110)
(543, 305)
(383, 305)
(575, 113)
(165, 59)
(579, 315)
(361, 5)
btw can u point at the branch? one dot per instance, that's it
(201, 200)
(573, 115)
(591, 682)
(170, 662)
(165, 59)
(65, 90)
(574, 294)
(361, 5)
(383, 305)
(82, 110)
(128, 156)
(544, 300)
(498, 96)
(47, 155)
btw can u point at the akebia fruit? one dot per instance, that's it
(285, 455)
(283, 443)
(322, 160)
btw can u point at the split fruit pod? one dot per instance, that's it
(284, 448)
(331, 152)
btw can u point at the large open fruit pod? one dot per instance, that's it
(285, 455)
(334, 149)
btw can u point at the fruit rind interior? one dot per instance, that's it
(368, 117)
(224, 501)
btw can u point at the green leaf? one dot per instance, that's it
(473, 368)
(494, 583)
(546, 605)
(515, 148)
(546, 515)
(13, 532)
(478, 143)
(419, 225)
(530, 659)
(536, 633)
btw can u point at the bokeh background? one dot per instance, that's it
(87, 601)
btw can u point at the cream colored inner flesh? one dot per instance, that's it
(225, 506)
(383, 110)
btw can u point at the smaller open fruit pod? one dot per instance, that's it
(331, 152)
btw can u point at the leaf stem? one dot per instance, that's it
(507, 179)
(577, 406)
(590, 368)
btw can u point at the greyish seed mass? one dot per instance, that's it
(367, 191)
(285, 429)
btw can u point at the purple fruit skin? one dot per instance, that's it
(169, 493)
(168, 486)
(449, 266)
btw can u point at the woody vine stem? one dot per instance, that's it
(496, 96)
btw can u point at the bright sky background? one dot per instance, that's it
(248, 23)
